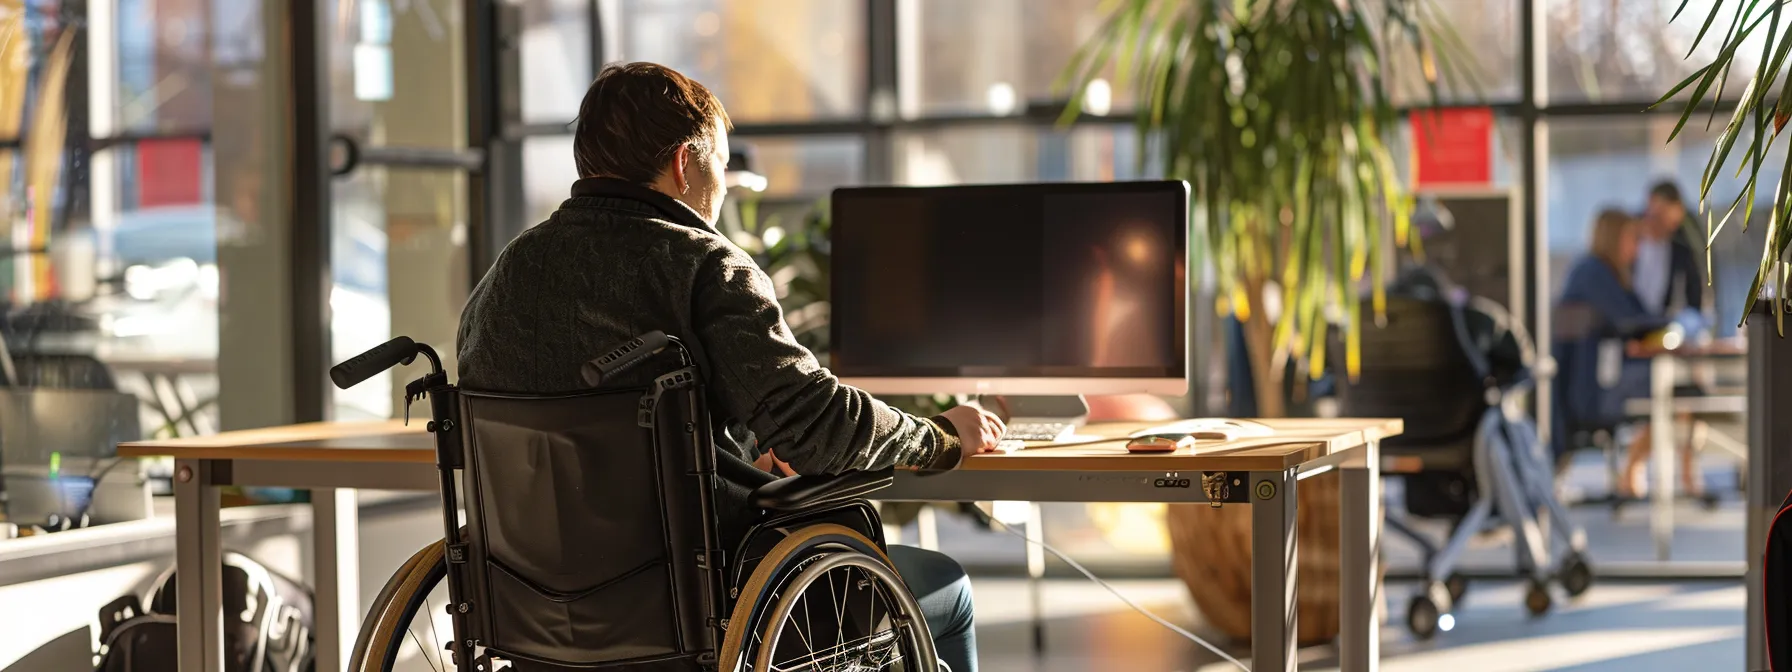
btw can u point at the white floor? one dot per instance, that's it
(1619, 626)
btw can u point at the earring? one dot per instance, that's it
(687, 188)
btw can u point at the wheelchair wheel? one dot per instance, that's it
(408, 627)
(824, 599)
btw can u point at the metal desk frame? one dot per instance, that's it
(1273, 517)
(1274, 617)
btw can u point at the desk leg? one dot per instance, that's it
(199, 568)
(335, 542)
(1661, 448)
(1359, 539)
(1274, 572)
(1036, 572)
(927, 528)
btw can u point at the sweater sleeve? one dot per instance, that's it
(796, 408)
(1689, 262)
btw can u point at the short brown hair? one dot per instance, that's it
(636, 115)
(1665, 190)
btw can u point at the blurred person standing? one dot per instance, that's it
(1669, 276)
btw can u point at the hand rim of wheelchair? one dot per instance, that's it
(782, 563)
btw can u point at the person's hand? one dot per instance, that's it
(978, 430)
(770, 464)
(1643, 349)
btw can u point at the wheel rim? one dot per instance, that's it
(776, 567)
(419, 631)
(428, 629)
(838, 612)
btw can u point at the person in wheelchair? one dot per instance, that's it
(635, 249)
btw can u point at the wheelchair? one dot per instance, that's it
(590, 540)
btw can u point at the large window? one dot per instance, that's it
(396, 74)
(161, 64)
(1482, 39)
(556, 47)
(110, 282)
(806, 166)
(1019, 153)
(1597, 163)
(399, 224)
(548, 174)
(992, 57)
(1601, 51)
(768, 60)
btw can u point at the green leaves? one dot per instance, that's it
(797, 257)
(1277, 113)
(1761, 118)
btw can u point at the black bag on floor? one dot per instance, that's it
(1776, 590)
(267, 624)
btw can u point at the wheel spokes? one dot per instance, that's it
(434, 637)
(876, 649)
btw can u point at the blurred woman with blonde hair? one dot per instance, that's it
(1597, 306)
(1614, 242)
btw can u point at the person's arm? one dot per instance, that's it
(796, 408)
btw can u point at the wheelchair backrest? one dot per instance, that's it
(587, 532)
(1414, 368)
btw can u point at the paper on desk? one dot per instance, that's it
(1212, 429)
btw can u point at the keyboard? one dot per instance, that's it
(1038, 431)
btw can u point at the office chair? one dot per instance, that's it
(1478, 461)
(1590, 408)
(1578, 333)
(66, 372)
(591, 539)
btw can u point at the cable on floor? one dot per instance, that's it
(1135, 606)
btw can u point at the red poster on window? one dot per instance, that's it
(169, 172)
(1452, 146)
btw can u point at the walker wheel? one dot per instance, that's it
(1536, 598)
(1577, 575)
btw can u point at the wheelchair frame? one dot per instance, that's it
(790, 502)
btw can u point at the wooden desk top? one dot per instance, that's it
(1723, 348)
(1296, 440)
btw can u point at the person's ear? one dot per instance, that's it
(681, 160)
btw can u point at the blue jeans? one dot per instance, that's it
(944, 591)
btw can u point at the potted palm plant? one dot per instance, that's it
(1279, 115)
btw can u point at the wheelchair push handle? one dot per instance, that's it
(396, 352)
(596, 371)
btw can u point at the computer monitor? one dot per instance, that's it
(1032, 289)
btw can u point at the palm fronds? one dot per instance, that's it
(1278, 114)
(1761, 114)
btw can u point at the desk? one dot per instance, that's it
(334, 459)
(1662, 406)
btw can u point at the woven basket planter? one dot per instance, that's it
(1211, 552)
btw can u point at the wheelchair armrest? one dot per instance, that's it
(801, 492)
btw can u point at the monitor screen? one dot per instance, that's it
(1021, 289)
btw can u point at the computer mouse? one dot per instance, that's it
(1159, 443)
